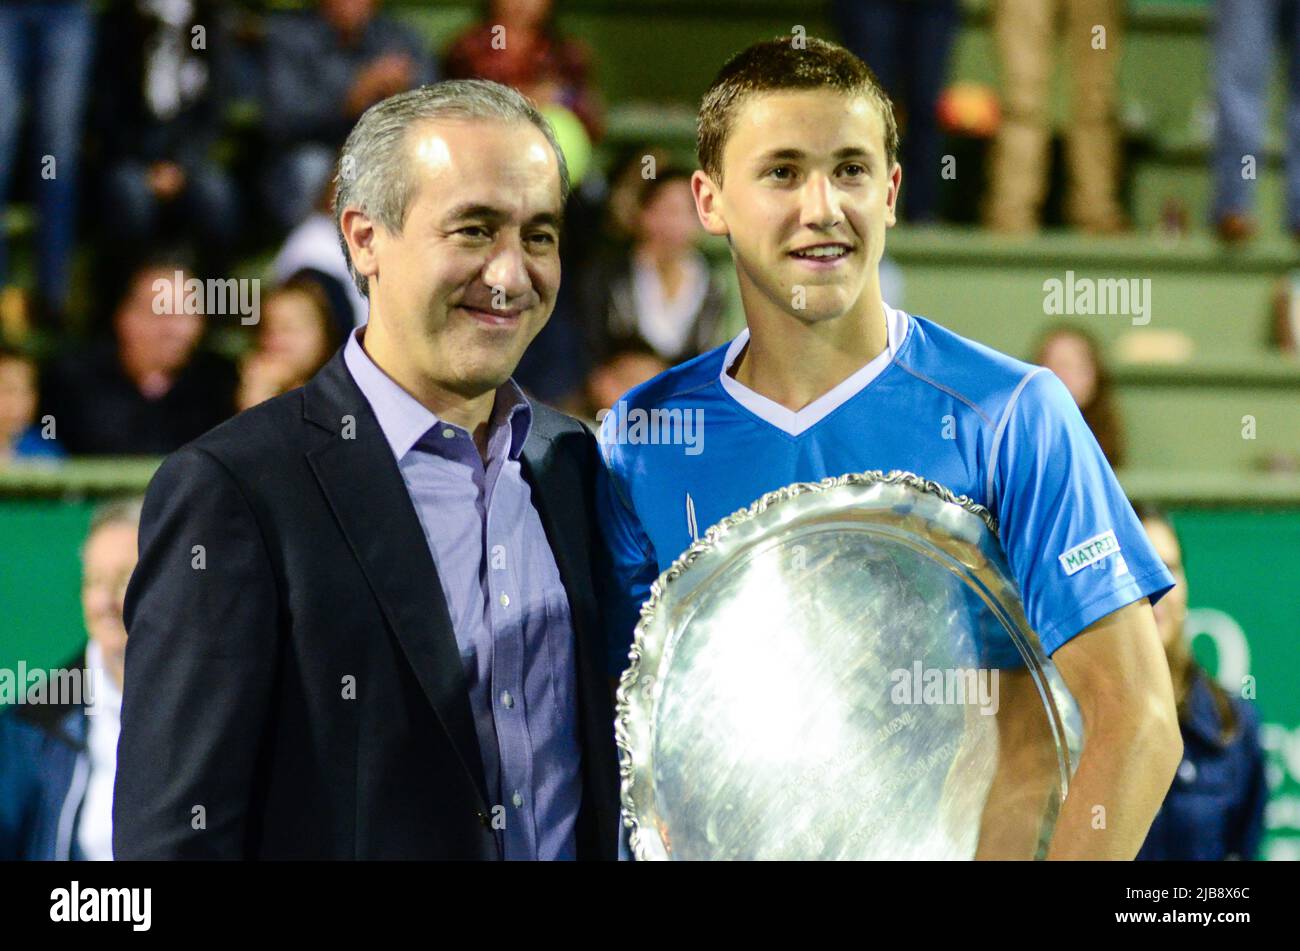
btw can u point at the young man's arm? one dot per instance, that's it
(631, 566)
(1088, 574)
(1117, 671)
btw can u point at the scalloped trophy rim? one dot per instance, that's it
(635, 691)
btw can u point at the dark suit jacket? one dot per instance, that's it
(293, 684)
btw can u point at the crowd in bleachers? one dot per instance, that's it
(165, 141)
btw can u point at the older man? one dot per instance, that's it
(364, 623)
(57, 757)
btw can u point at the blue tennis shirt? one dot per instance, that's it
(693, 445)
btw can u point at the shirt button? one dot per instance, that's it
(518, 800)
(1187, 771)
(449, 433)
(505, 600)
(508, 700)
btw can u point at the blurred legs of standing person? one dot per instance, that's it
(206, 208)
(1024, 31)
(907, 44)
(1092, 137)
(45, 50)
(295, 183)
(1244, 35)
(1290, 16)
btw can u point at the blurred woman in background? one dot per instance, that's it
(1075, 357)
(296, 334)
(1215, 807)
(657, 304)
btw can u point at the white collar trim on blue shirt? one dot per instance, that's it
(795, 422)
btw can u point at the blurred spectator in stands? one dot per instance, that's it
(295, 336)
(1245, 35)
(1075, 357)
(516, 43)
(323, 69)
(149, 390)
(907, 44)
(601, 216)
(312, 250)
(58, 758)
(21, 438)
(599, 221)
(628, 368)
(1285, 337)
(160, 93)
(630, 170)
(553, 369)
(1025, 33)
(660, 297)
(1215, 807)
(46, 49)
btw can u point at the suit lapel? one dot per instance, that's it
(549, 502)
(360, 478)
(554, 496)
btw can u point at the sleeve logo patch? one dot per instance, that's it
(1086, 553)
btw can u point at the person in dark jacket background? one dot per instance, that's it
(324, 67)
(58, 758)
(655, 304)
(1215, 806)
(162, 86)
(152, 387)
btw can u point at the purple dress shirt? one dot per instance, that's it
(507, 603)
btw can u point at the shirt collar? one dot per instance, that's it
(107, 696)
(795, 422)
(896, 327)
(404, 420)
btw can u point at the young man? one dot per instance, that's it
(798, 152)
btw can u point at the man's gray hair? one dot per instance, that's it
(373, 172)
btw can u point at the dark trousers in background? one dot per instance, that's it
(205, 214)
(1246, 35)
(45, 58)
(907, 44)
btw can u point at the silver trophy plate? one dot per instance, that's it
(843, 671)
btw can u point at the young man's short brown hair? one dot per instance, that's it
(778, 65)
